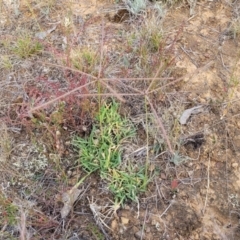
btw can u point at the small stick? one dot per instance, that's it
(164, 133)
(144, 222)
(171, 203)
(208, 184)
(185, 51)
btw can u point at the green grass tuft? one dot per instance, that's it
(100, 152)
(25, 47)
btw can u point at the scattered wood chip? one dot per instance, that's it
(191, 111)
(114, 225)
(68, 199)
(163, 176)
(124, 220)
(42, 35)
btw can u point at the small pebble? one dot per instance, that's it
(163, 176)
(139, 235)
(235, 165)
(124, 220)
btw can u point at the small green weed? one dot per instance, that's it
(146, 42)
(6, 62)
(100, 151)
(95, 231)
(8, 211)
(25, 47)
(236, 28)
(84, 59)
(127, 184)
(155, 40)
(5, 143)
